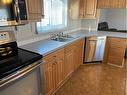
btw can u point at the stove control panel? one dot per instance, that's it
(6, 37)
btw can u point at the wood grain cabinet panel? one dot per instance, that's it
(115, 51)
(78, 53)
(103, 3)
(35, 10)
(54, 73)
(49, 76)
(111, 4)
(88, 9)
(69, 61)
(60, 64)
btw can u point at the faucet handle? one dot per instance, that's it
(53, 36)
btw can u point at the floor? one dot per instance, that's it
(96, 80)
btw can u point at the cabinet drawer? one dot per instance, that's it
(59, 53)
(54, 55)
(69, 48)
(118, 41)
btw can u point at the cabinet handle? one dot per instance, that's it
(54, 56)
(55, 63)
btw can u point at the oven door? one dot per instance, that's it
(28, 81)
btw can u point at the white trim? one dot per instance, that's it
(89, 29)
(115, 65)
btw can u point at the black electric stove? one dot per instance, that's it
(13, 58)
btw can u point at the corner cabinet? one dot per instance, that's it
(35, 10)
(87, 9)
(112, 4)
(115, 51)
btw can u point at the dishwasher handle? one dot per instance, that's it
(92, 40)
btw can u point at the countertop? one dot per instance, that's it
(47, 46)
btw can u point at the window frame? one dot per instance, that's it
(58, 29)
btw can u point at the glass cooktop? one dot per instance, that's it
(21, 59)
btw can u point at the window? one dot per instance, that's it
(55, 16)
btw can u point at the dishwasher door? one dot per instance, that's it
(94, 49)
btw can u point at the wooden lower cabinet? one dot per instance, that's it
(78, 53)
(60, 64)
(69, 61)
(115, 51)
(53, 69)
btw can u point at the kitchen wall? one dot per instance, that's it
(116, 18)
(27, 33)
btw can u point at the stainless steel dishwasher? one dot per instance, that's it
(94, 49)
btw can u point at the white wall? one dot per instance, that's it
(28, 31)
(116, 18)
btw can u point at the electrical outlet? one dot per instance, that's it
(4, 36)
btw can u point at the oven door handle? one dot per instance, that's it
(20, 73)
(16, 10)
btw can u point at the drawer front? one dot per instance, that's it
(118, 41)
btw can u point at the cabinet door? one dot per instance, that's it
(68, 64)
(117, 51)
(59, 68)
(122, 4)
(69, 61)
(79, 53)
(81, 8)
(90, 8)
(59, 72)
(49, 76)
(35, 10)
(74, 9)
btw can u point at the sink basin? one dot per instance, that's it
(63, 39)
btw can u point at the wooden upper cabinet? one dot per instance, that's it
(81, 8)
(88, 9)
(35, 10)
(112, 4)
(103, 3)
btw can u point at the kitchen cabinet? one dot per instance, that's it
(78, 53)
(60, 64)
(112, 4)
(74, 9)
(35, 10)
(69, 60)
(115, 51)
(54, 71)
(88, 9)
(74, 54)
